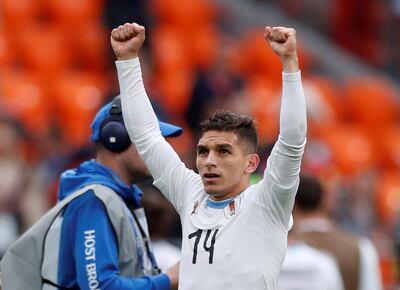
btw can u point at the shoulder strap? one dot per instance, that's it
(21, 265)
(74, 195)
(117, 210)
(48, 265)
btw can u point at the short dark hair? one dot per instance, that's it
(309, 194)
(224, 121)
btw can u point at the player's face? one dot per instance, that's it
(223, 164)
(133, 165)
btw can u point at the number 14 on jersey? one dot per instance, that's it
(208, 248)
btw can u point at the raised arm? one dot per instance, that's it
(293, 125)
(283, 166)
(139, 117)
(169, 173)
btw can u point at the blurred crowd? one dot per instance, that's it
(56, 70)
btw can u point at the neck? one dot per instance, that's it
(305, 221)
(237, 191)
(114, 165)
(309, 215)
(313, 225)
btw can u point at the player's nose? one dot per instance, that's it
(211, 159)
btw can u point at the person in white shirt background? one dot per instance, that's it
(234, 235)
(307, 268)
(356, 255)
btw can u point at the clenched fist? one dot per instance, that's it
(283, 42)
(127, 39)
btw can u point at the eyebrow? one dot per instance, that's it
(201, 147)
(219, 146)
(224, 146)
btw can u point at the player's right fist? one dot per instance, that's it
(127, 39)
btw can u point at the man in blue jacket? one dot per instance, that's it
(91, 239)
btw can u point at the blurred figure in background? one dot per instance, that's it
(307, 268)
(214, 85)
(14, 177)
(356, 256)
(117, 12)
(93, 243)
(117, 167)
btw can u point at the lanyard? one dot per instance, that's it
(135, 221)
(146, 240)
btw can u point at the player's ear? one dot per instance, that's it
(252, 163)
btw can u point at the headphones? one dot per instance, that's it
(113, 134)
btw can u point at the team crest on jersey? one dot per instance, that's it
(232, 208)
(195, 207)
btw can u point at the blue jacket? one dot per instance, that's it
(87, 213)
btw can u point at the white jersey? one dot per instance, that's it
(307, 268)
(237, 244)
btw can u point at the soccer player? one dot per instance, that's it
(234, 235)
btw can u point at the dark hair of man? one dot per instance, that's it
(242, 125)
(309, 194)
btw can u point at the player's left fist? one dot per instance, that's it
(282, 41)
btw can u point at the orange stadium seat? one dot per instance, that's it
(174, 89)
(351, 149)
(7, 54)
(185, 143)
(202, 45)
(388, 197)
(184, 14)
(169, 51)
(77, 96)
(16, 14)
(388, 144)
(174, 49)
(371, 101)
(90, 43)
(44, 49)
(264, 99)
(324, 103)
(258, 58)
(235, 59)
(72, 13)
(305, 59)
(23, 96)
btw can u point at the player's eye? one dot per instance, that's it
(202, 152)
(223, 151)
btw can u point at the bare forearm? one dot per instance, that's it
(290, 64)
